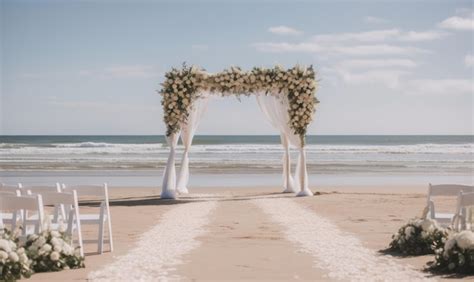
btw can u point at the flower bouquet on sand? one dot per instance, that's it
(418, 237)
(14, 264)
(51, 250)
(456, 255)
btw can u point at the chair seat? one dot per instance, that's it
(91, 218)
(6, 216)
(444, 216)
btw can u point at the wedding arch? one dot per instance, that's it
(285, 96)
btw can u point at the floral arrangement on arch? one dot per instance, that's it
(51, 250)
(183, 86)
(456, 255)
(418, 237)
(14, 263)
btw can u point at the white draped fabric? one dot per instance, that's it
(187, 133)
(168, 189)
(276, 111)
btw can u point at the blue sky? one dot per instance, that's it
(92, 67)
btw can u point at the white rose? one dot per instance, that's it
(465, 240)
(55, 234)
(58, 248)
(54, 256)
(428, 224)
(5, 245)
(424, 234)
(23, 258)
(14, 257)
(68, 250)
(3, 255)
(449, 244)
(46, 248)
(20, 251)
(409, 231)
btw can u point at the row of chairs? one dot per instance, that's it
(26, 205)
(459, 220)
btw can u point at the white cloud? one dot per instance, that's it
(469, 60)
(389, 78)
(344, 49)
(375, 20)
(200, 47)
(284, 30)
(380, 35)
(439, 87)
(377, 63)
(458, 23)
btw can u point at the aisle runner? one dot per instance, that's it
(335, 251)
(160, 249)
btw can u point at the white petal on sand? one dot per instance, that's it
(340, 253)
(159, 250)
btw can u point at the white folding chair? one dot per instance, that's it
(102, 219)
(37, 189)
(465, 201)
(7, 217)
(70, 206)
(10, 188)
(23, 205)
(449, 190)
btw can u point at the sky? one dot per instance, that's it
(93, 67)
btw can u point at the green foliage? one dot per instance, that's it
(51, 251)
(297, 86)
(418, 237)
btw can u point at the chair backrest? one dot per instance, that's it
(88, 190)
(100, 191)
(448, 190)
(466, 199)
(41, 189)
(11, 192)
(63, 202)
(23, 205)
(10, 188)
(25, 202)
(59, 198)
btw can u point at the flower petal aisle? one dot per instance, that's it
(340, 253)
(160, 249)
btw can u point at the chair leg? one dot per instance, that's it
(111, 242)
(100, 240)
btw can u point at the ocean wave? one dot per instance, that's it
(101, 148)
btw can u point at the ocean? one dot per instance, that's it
(142, 158)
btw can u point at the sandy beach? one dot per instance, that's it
(240, 240)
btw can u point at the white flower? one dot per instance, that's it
(13, 257)
(55, 241)
(409, 231)
(54, 256)
(20, 251)
(55, 234)
(5, 245)
(449, 245)
(40, 241)
(3, 255)
(424, 234)
(465, 240)
(46, 248)
(58, 248)
(428, 224)
(23, 258)
(68, 250)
